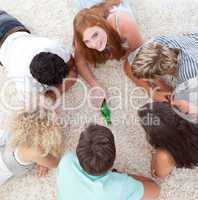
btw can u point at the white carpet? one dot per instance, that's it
(53, 18)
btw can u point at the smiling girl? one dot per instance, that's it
(105, 31)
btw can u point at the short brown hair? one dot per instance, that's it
(154, 60)
(96, 149)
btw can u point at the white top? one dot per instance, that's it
(16, 55)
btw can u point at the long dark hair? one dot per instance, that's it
(171, 133)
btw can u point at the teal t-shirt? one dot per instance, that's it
(75, 184)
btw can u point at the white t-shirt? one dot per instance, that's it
(16, 55)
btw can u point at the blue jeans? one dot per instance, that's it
(9, 25)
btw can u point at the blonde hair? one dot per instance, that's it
(96, 16)
(37, 130)
(154, 60)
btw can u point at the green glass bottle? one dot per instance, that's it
(106, 113)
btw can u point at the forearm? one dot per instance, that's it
(53, 163)
(86, 74)
(151, 189)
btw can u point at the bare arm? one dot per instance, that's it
(162, 163)
(83, 69)
(185, 106)
(129, 31)
(151, 189)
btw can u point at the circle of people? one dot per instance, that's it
(103, 30)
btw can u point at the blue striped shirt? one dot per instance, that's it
(187, 44)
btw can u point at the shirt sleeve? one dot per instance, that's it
(132, 189)
(65, 162)
(57, 47)
(28, 94)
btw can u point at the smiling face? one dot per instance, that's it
(95, 37)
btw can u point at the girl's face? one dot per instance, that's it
(95, 37)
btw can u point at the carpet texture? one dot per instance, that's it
(53, 18)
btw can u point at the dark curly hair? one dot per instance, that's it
(49, 69)
(173, 134)
(96, 149)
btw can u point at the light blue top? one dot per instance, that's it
(75, 184)
(87, 3)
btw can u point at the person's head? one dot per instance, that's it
(96, 150)
(93, 35)
(171, 133)
(37, 130)
(48, 68)
(154, 60)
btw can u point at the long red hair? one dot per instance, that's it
(96, 16)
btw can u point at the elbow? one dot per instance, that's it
(54, 164)
(151, 190)
(156, 193)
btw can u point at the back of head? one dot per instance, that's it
(154, 60)
(49, 69)
(37, 130)
(167, 130)
(87, 18)
(96, 149)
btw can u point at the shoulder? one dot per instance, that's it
(123, 18)
(111, 19)
(130, 187)
(162, 156)
(123, 179)
(67, 158)
(163, 163)
(126, 22)
(163, 159)
(50, 43)
(59, 48)
(169, 41)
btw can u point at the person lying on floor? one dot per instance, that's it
(30, 140)
(174, 139)
(163, 63)
(34, 63)
(86, 174)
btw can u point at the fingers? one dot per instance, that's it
(181, 105)
(44, 172)
(41, 171)
(97, 97)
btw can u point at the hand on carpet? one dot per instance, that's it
(41, 170)
(97, 96)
